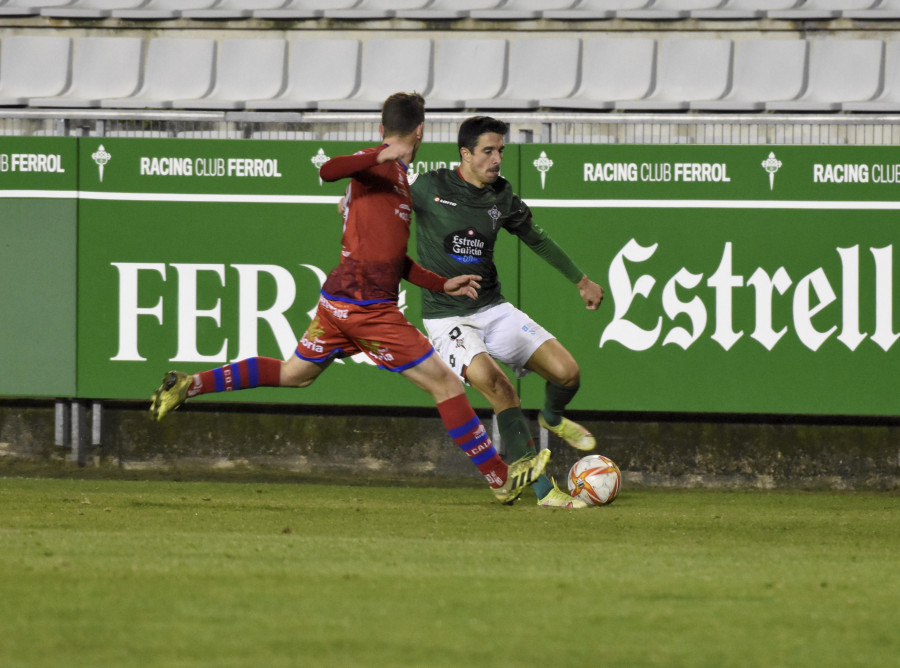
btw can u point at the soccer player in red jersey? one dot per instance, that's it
(358, 310)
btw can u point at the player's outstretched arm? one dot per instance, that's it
(465, 285)
(590, 292)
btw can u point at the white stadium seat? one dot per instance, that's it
(446, 9)
(613, 69)
(28, 7)
(588, 10)
(764, 70)
(818, 10)
(517, 10)
(840, 70)
(156, 10)
(541, 68)
(176, 69)
(454, 62)
(245, 69)
(231, 9)
(318, 69)
(372, 9)
(89, 9)
(731, 10)
(101, 67)
(666, 10)
(687, 70)
(388, 66)
(883, 10)
(300, 9)
(888, 101)
(32, 66)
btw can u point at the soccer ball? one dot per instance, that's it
(595, 479)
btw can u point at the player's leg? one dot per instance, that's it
(468, 432)
(556, 365)
(486, 376)
(298, 371)
(459, 341)
(178, 386)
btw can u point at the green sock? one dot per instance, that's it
(516, 436)
(515, 433)
(557, 397)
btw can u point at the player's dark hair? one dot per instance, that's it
(401, 113)
(472, 128)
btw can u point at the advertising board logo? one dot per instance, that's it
(543, 165)
(101, 157)
(318, 160)
(771, 165)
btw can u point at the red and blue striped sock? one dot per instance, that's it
(243, 375)
(469, 434)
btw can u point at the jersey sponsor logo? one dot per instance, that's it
(495, 214)
(440, 200)
(466, 247)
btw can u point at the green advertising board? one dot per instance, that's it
(738, 279)
(38, 226)
(194, 254)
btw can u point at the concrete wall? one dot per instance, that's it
(680, 451)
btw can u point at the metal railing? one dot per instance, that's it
(535, 127)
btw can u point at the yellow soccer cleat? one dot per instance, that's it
(521, 474)
(171, 394)
(571, 432)
(556, 498)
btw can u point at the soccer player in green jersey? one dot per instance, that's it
(459, 214)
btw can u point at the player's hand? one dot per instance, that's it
(590, 292)
(463, 286)
(342, 205)
(392, 152)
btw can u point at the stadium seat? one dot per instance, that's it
(245, 69)
(839, 71)
(883, 10)
(446, 9)
(28, 7)
(145, 134)
(818, 10)
(318, 69)
(888, 101)
(687, 70)
(592, 10)
(101, 67)
(454, 63)
(388, 65)
(300, 9)
(89, 9)
(176, 69)
(764, 70)
(32, 66)
(283, 135)
(225, 10)
(733, 10)
(539, 68)
(517, 10)
(372, 9)
(666, 10)
(613, 68)
(156, 10)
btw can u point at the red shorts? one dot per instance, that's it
(342, 329)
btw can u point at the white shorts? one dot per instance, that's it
(503, 331)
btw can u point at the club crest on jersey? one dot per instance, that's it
(495, 214)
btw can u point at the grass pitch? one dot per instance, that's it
(124, 573)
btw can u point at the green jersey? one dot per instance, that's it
(456, 228)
